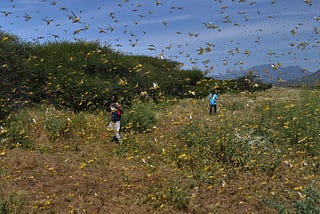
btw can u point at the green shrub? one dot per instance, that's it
(3, 207)
(13, 93)
(234, 152)
(249, 150)
(139, 118)
(276, 203)
(310, 201)
(15, 131)
(249, 83)
(171, 194)
(56, 124)
(178, 198)
(193, 149)
(63, 124)
(197, 149)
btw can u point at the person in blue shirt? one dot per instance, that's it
(213, 102)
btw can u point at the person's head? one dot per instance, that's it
(114, 98)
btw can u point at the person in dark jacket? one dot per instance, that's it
(115, 111)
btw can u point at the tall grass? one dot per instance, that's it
(188, 155)
(12, 203)
(44, 128)
(294, 123)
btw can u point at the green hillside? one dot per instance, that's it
(81, 75)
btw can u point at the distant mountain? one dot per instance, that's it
(311, 79)
(267, 73)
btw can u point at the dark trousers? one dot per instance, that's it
(214, 108)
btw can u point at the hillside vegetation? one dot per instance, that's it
(259, 154)
(82, 75)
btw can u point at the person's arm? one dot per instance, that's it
(107, 105)
(119, 107)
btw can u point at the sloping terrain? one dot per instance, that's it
(190, 162)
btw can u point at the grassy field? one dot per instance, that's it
(259, 154)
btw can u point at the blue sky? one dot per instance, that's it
(213, 35)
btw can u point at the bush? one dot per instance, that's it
(139, 118)
(57, 124)
(65, 126)
(282, 207)
(12, 91)
(191, 150)
(248, 83)
(3, 207)
(309, 203)
(15, 133)
(194, 151)
(172, 194)
(247, 150)
(198, 149)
